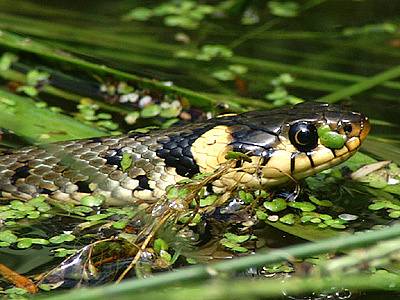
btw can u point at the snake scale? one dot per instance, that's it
(282, 144)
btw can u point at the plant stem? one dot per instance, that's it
(362, 86)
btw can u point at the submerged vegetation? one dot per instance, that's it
(71, 72)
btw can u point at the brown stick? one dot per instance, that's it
(18, 280)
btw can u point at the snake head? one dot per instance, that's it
(295, 142)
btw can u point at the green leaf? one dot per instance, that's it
(150, 111)
(284, 8)
(34, 77)
(233, 246)
(234, 238)
(246, 197)
(325, 203)
(303, 206)
(59, 239)
(126, 161)
(261, 215)
(24, 243)
(165, 255)
(139, 14)
(121, 224)
(275, 205)
(160, 244)
(8, 237)
(93, 200)
(287, 219)
(62, 252)
(209, 200)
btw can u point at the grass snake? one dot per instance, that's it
(283, 144)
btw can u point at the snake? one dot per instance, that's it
(280, 145)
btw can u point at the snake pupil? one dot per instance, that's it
(348, 128)
(303, 136)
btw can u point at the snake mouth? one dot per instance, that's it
(296, 166)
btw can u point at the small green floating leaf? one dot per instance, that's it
(303, 206)
(93, 200)
(34, 77)
(287, 219)
(59, 239)
(234, 238)
(318, 202)
(165, 255)
(5, 244)
(337, 223)
(212, 51)
(121, 224)
(24, 243)
(233, 246)
(275, 205)
(395, 214)
(246, 197)
(377, 205)
(261, 215)
(160, 244)
(150, 111)
(8, 237)
(62, 252)
(126, 161)
(209, 200)
(279, 268)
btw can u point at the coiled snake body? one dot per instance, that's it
(282, 144)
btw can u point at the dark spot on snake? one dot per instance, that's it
(293, 162)
(21, 172)
(143, 182)
(45, 191)
(96, 140)
(310, 159)
(114, 160)
(238, 163)
(333, 152)
(83, 186)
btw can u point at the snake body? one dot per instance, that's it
(281, 144)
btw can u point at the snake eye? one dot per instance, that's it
(303, 136)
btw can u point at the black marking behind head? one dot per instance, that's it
(176, 150)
